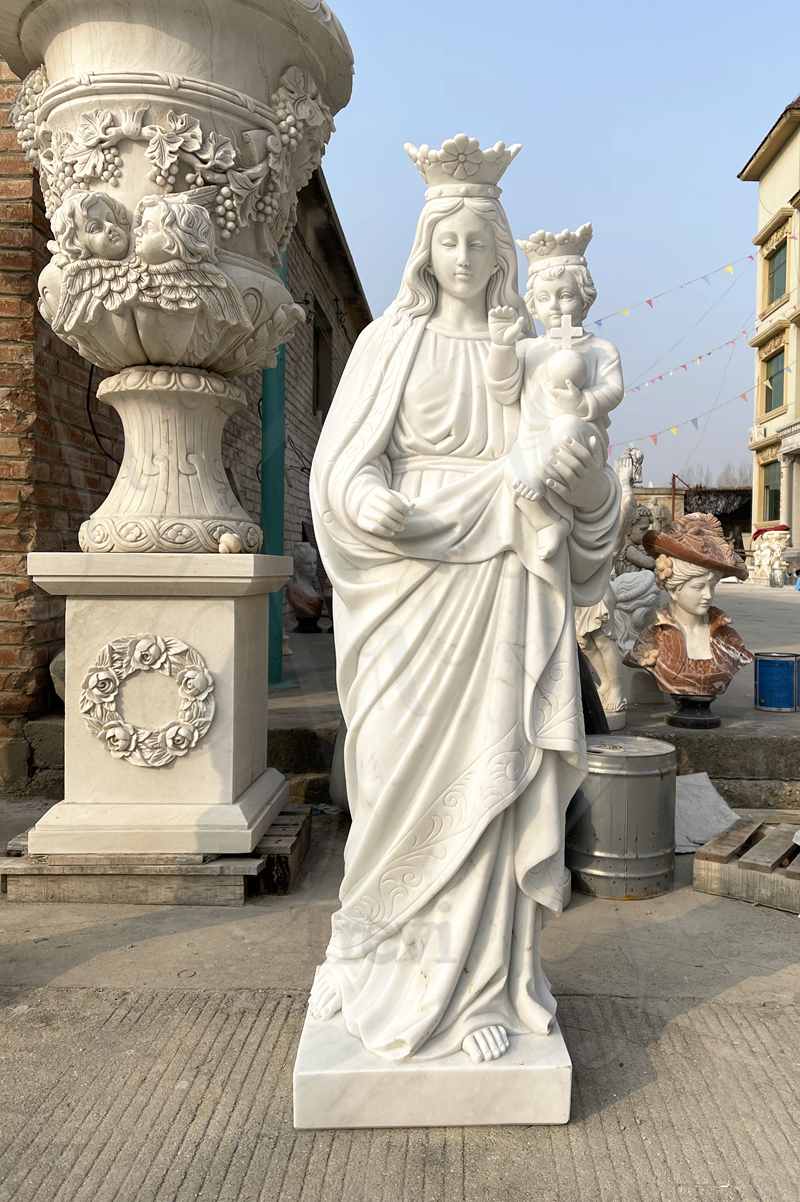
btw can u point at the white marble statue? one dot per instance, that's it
(768, 554)
(607, 631)
(457, 670)
(636, 456)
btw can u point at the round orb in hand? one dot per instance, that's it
(567, 367)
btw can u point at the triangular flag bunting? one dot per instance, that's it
(695, 423)
(625, 312)
(743, 395)
(650, 303)
(729, 268)
(685, 366)
(673, 429)
(653, 438)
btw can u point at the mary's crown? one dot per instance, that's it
(461, 168)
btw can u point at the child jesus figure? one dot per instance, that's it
(567, 381)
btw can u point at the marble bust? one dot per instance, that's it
(455, 642)
(690, 647)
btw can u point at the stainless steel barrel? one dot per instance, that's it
(621, 822)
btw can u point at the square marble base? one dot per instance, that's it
(219, 796)
(338, 1084)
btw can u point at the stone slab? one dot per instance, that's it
(777, 795)
(337, 1084)
(75, 574)
(700, 812)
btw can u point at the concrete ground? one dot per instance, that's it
(146, 1052)
(146, 1055)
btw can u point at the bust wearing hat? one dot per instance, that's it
(690, 647)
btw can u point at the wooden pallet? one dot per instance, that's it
(753, 861)
(162, 880)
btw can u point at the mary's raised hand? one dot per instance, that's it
(384, 512)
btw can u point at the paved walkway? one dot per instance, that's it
(146, 1054)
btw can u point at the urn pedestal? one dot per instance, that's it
(172, 492)
(165, 703)
(171, 142)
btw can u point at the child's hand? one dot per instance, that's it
(506, 326)
(568, 398)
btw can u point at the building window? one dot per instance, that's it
(772, 491)
(323, 361)
(776, 273)
(773, 382)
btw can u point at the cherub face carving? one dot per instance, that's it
(90, 225)
(151, 242)
(174, 229)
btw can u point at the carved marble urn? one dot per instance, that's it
(171, 142)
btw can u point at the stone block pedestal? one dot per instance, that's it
(339, 1084)
(165, 703)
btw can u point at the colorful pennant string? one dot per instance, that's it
(690, 421)
(695, 361)
(650, 301)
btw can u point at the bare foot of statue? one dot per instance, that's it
(526, 491)
(326, 998)
(488, 1043)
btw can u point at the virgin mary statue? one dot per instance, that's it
(455, 643)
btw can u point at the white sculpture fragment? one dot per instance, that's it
(607, 631)
(768, 555)
(458, 681)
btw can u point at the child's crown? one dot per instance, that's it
(461, 168)
(544, 249)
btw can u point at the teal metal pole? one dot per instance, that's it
(273, 454)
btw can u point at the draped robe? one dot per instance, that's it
(458, 680)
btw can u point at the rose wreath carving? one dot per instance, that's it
(148, 653)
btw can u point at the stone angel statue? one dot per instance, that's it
(163, 299)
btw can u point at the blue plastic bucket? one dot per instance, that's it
(776, 681)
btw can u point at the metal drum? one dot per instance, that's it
(776, 681)
(621, 822)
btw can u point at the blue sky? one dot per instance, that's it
(634, 117)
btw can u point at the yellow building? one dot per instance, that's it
(775, 436)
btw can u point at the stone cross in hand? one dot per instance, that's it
(565, 332)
